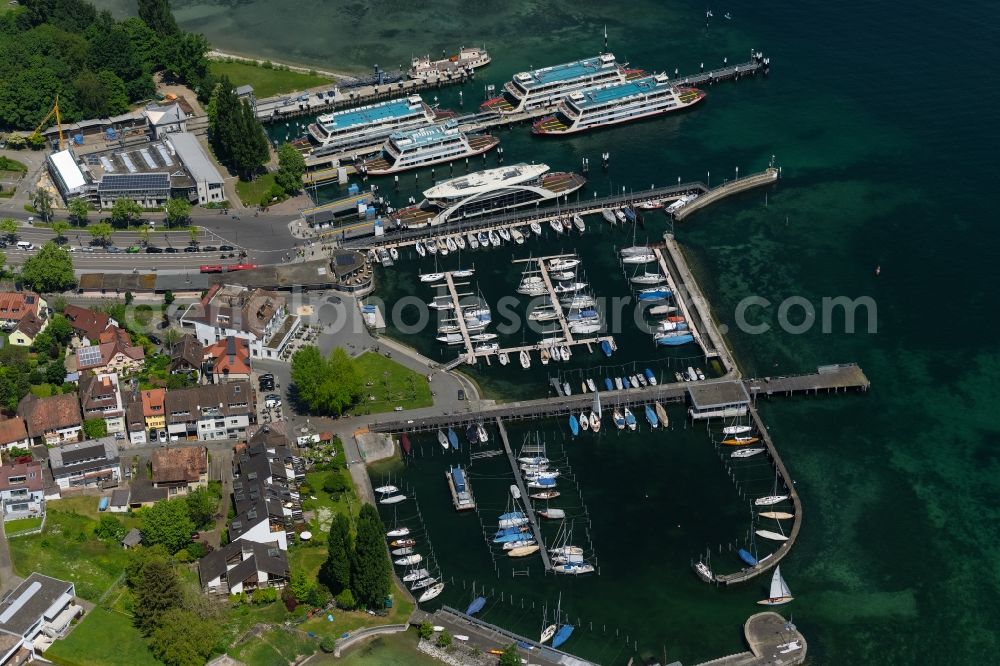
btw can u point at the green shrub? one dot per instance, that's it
(328, 644)
(346, 600)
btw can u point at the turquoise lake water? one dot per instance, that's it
(882, 116)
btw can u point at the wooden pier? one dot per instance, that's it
(460, 318)
(529, 509)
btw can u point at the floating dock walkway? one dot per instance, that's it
(766, 177)
(529, 510)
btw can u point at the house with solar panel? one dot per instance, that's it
(113, 353)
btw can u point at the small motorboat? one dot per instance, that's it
(776, 515)
(392, 499)
(545, 495)
(618, 383)
(422, 583)
(525, 359)
(642, 379)
(567, 389)
(432, 247)
(504, 358)
(704, 572)
(650, 377)
(523, 551)
(387, 489)
(415, 575)
(443, 247)
(618, 419)
(542, 484)
(630, 419)
(736, 430)
(584, 421)
(564, 352)
(416, 558)
(518, 236)
(443, 440)
(620, 216)
(606, 348)
(472, 435)
(634, 380)
(504, 234)
(394, 253)
(578, 222)
(552, 514)
(419, 247)
(773, 536)
(431, 592)
(483, 436)
(595, 422)
(563, 264)
(450, 244)
(536, 228)
(630, 214)
(473, 241)
(484, 239)
(544, 354)
(574, 425)
(460, 241)
(701, 375)
(609, 217)
(591, 385)
(398, 532)
(746, 453)
(769, 500)
(431, 277)
(661, 414)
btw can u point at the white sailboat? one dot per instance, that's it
(736, 429)
(779, 594)
(525, 359)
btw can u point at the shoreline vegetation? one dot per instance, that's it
(216, 55)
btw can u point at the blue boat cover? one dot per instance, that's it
(476, 606)
(453, 438)
(747, 557)
(574, 425)
(562, 635)
(609, 384)
(512, 515)
(648, 373)
(651, 416)
(458, 478)
(606, 347)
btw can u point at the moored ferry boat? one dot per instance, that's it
(426, 146)
(546, 87)
(489, 191)
(617, 103)
(466, 60)
(345, 128)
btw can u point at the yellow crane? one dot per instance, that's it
(54, 110)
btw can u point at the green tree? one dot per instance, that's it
(170, 338)
(370, 568)
(55, 374)
(94, 428)
(510, 657)
(336, 570)
(444, 639)
(301, 586)
(125, 211)
(101, 231)
(325, 386)
(110, 528)
(202, 505)
(426, 630)
(100, 94)
(183, 638)
(178, 210)
(78, 211)
(9, 227)
(49, 270)
(167, 523)
(184, 58)
(236, 134)
(41, 200)
(193, 232)
(144, 235)
(157, 591)
(157, 15)
(291, 167)
(60, 227)
(60, 328)
(336, 484)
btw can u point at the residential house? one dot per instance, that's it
(86, 464)
(100, 397)
(228, 359)
(135, 420)
(119, 500)
(56, 418)
(35, 613)
(15, 305)
(27, 329)
(187, 356)
(13, 433)
(87, 324)
(22, 489)
(180, 470)
(259, 316)
(243, 566)
(114, 352)
(154, 409)
(214, 411)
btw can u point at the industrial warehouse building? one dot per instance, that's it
(150, 173)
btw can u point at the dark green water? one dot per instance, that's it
(882, 116)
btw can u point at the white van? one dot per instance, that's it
(25, 245)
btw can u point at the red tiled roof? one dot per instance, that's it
(52, 413)
(86, 322)
(31, 471)
(231, 356)
(12, 430)
(153, 398)
(184, 464)
(15, 304)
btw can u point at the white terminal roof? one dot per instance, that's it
(65, 164)
(194, 158)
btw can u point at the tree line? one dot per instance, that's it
(357, 570)
(325, 385)
(95, 64)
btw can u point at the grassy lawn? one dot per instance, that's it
(391, 384)
(265, 82)
(386, 650)
(14, 527)
(102, 638)
(346, 621)
(324, 507)
(275, 647)
(250, 193)
(7, 164)
(68, 549)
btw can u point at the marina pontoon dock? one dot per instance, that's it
(529, 509)
(461, 490)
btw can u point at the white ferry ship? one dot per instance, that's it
(620, 103)
(411, 149)
(345, 127)
(467, 59)
(545, 88)
(489, 191)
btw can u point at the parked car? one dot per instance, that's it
(272, 400)
(191, 248)
(170, 250)
(226, 248)
(113, 249)
(132, 249)
(209, 248)
(152, 249)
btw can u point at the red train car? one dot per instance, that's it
(217, 268)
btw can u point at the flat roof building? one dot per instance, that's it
(208, 183)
